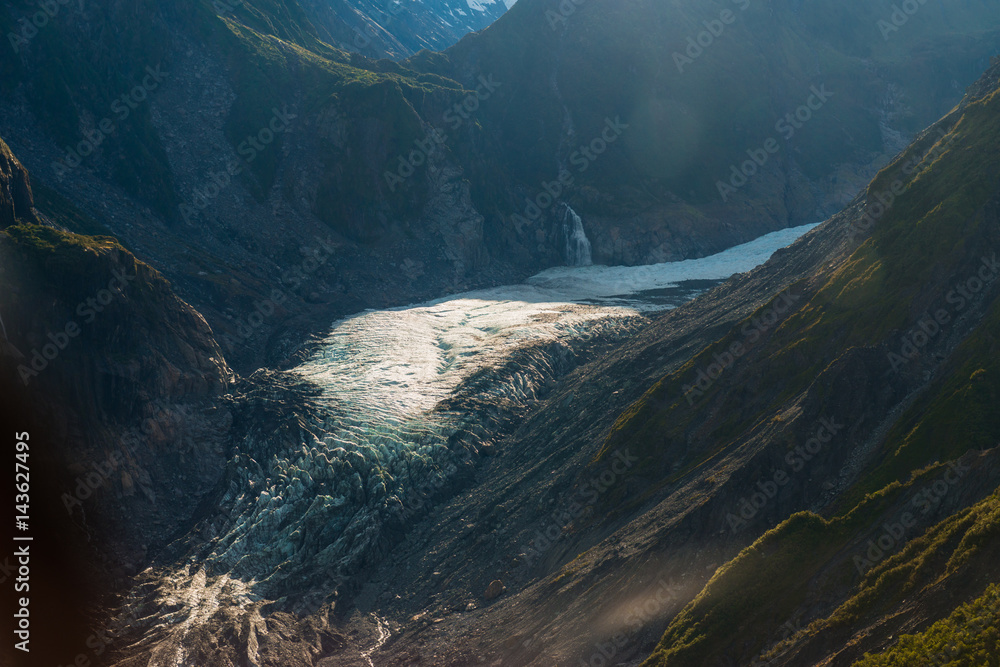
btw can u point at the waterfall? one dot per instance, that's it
(577, 244)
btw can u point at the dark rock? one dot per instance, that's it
(15, 191)
(494, 590)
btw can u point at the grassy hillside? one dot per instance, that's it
(970, 637)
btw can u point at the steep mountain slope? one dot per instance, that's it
(797, 467)
(907, 518)
(742, 113)
(244, 160)
(802, 467)
(117, 384)
(231, 148)
(400, 28)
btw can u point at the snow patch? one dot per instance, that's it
(479, 5)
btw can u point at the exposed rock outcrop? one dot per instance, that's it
(15, 191)
(126, 374)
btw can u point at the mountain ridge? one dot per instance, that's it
(372, 116)
(809, 448)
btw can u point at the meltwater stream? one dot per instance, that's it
(309, 508)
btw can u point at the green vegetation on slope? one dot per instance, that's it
(932, 236)
(76, 266)
(970, 637)
(807, 558)
(958, 413)
(742, 597)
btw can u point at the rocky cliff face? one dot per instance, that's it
(264, 197)
(121, 374)
(15, 191)
(116, 385)
(742, 116)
